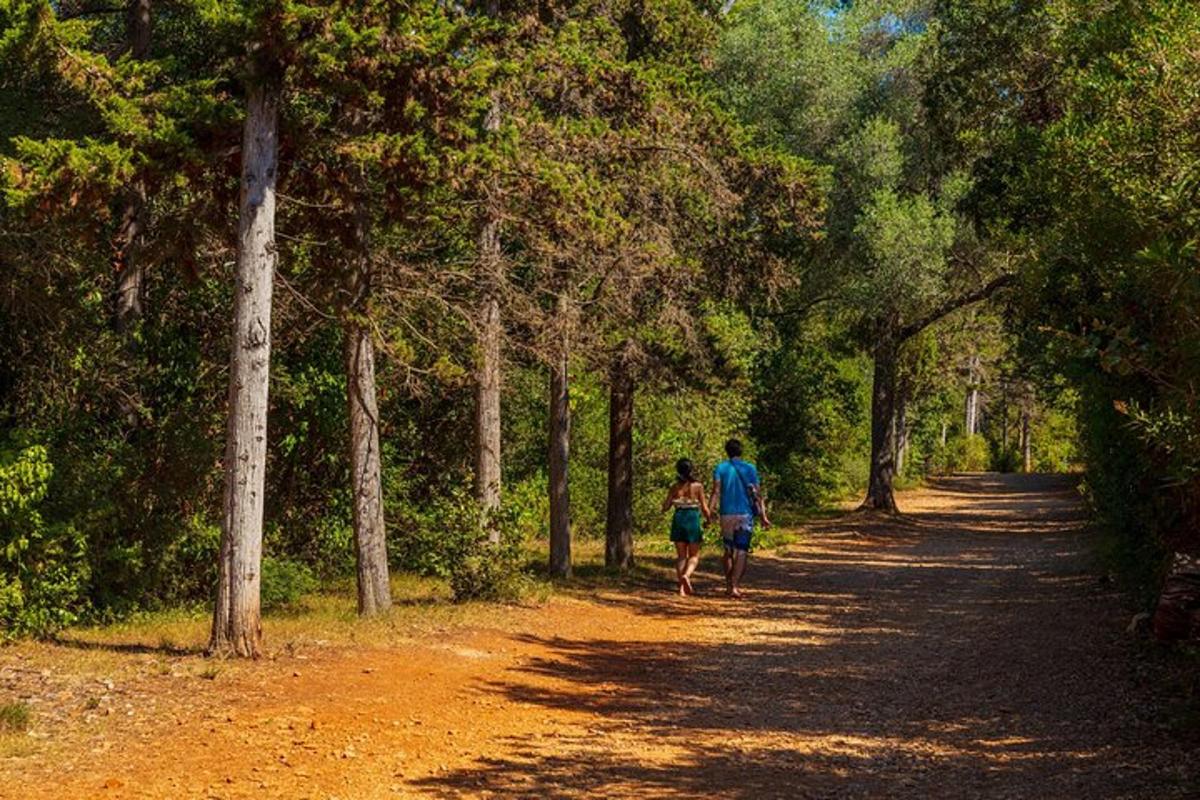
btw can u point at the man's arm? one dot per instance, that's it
(714, 502)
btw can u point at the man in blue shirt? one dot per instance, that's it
(737, 496)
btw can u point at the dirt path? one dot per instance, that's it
(966, 652)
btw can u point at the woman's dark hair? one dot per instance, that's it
(685, 470)
(733, 448)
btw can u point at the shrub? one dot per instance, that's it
(14, 717)
(284, 582)
(43, 570)
(1009, 460)
(432, 537)
(482, 570)
(967, 454)
(490, 572)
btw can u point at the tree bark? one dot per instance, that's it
(1026, 443)
(560, 445)
(487, 381)
(128, 266)
(971, 420)
(370, 533)
(618, 532)
(880, 494)
(901, 434)
(237, 626)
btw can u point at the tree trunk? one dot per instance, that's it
(130, 271)
(618, 532)
(237, 626)
(560, 445)
(880, 495)
(901, 434)
(487, 381)
(945, 428)
(971, 422)
(1026, 443)
(1004, 431)
(370, 533)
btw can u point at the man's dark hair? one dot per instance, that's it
(733, 448)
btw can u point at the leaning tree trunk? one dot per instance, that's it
(560, 445)
(880, 495)
(618, 531)
(370, 540)
(130, 271)
(487, 380)
(237, 626)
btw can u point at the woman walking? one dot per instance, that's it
(687, 497)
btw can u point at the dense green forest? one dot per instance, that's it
(294, 291)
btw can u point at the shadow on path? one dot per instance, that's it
(965, 650)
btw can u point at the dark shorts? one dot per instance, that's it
(737, 531)
(685, 526)
(738, 541)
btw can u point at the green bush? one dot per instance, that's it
(966, 454)
(14, 717)
(284, 582)
(43, 569)
(810, 421)
(484, 570)
(432, 537)
(1006, 460)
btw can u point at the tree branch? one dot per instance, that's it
(85, 11)
(955, 303)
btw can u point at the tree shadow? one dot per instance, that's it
(953, 662)
(130, 648)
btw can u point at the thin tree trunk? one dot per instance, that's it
(487, 381)
(880, 494)
(370, 533)
(128, 265)
(560, 446)
(237, 626)
(901, 434)
(945, 428)
(1026, 443)
(1004, 419)
(970, 424)
(618, 532)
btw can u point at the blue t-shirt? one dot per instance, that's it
(735, 481)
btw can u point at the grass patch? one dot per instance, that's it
(421, 605)
(14, 718)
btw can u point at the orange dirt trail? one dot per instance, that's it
(965, 651)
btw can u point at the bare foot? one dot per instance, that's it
(685, 584)
(682, 588)
(736, 594)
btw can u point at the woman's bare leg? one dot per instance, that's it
(693, 561)
(681, 557)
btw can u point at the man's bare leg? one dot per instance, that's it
(727, 562)
(736, 573)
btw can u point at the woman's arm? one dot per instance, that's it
(704, 509)
(666, 504)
